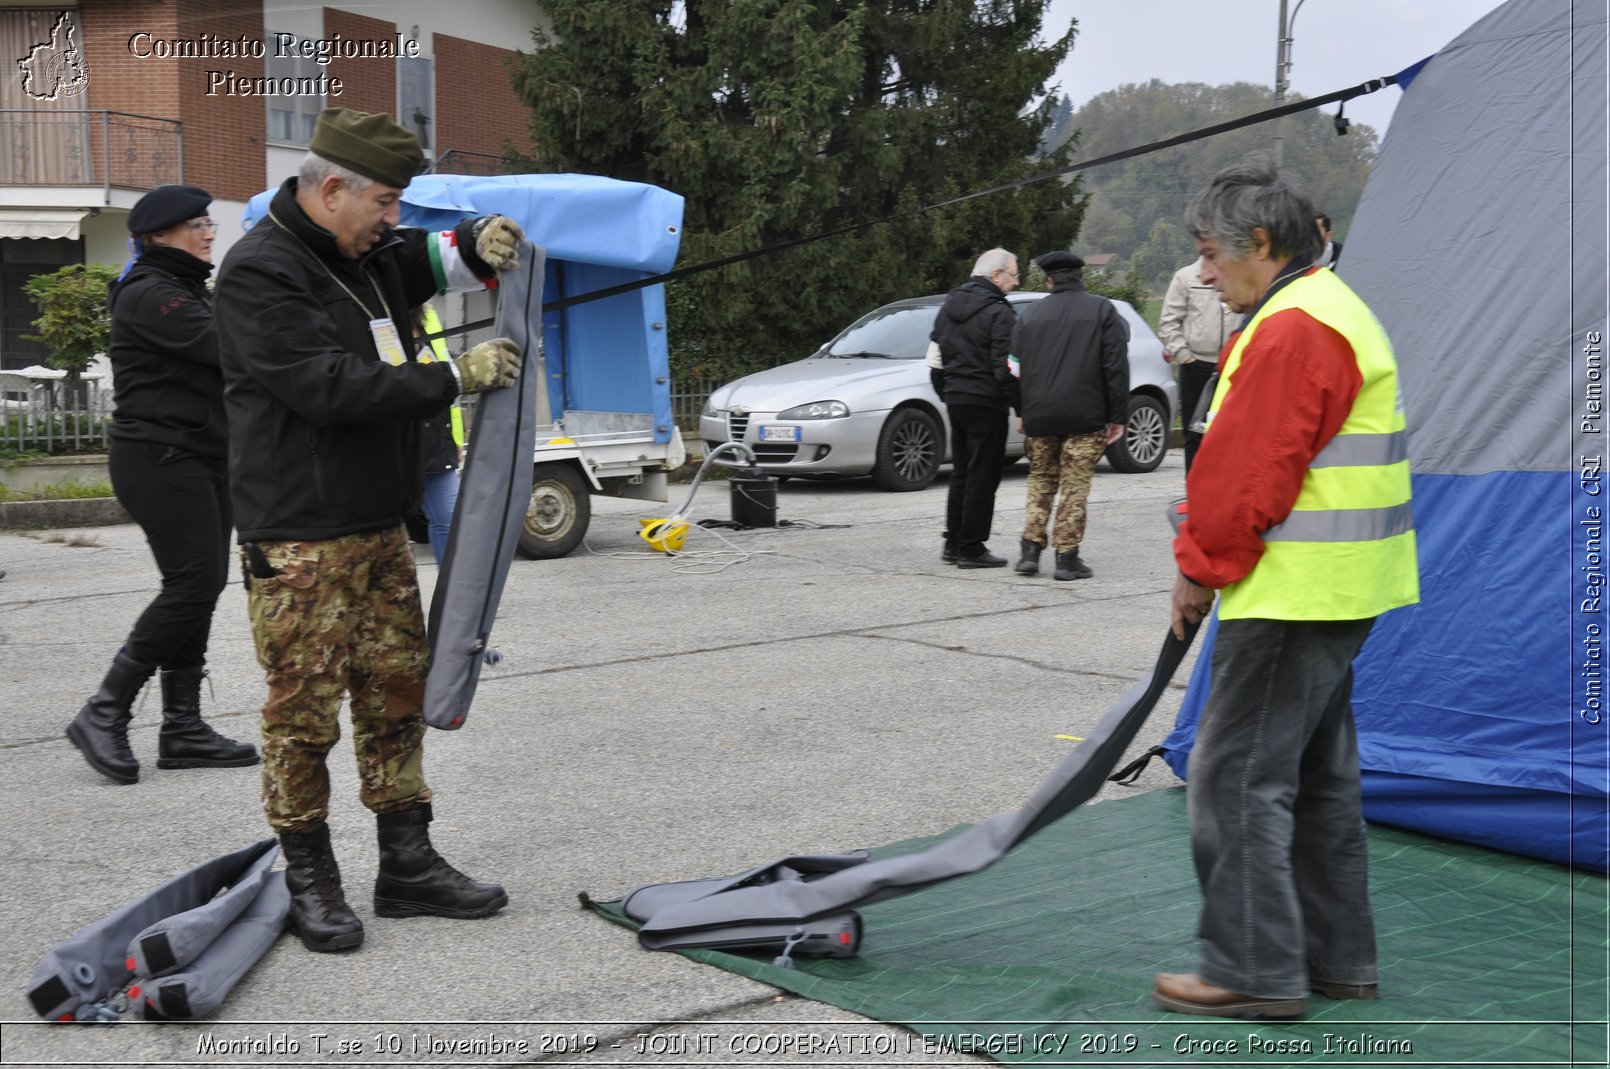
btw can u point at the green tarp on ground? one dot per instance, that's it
(1047, 957)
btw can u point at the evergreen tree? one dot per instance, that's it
(779, 119)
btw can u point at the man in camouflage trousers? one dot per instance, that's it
(302, 627)
(1072, 349)
(325, 403)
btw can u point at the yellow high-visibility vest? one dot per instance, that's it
(1347, 550)
(437, 350)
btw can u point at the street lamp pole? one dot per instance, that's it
(1283, 70)
(1280, 81)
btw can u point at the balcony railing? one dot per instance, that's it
(466, 161)
(90, 148)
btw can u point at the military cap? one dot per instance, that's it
(1059, 261)
(370, 144)
(167, 206)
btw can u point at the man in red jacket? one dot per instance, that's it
(1300, 518)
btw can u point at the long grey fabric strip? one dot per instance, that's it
(703, 918)
(494, 490)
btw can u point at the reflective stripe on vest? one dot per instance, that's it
(1347, 550)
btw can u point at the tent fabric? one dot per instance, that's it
(1479, 709)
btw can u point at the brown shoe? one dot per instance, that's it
(1343, 991)
(1187, 993)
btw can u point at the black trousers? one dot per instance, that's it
(1193, 377)
(977, 455)
(181, 501)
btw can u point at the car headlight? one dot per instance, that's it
(816, 410)
(710, 408)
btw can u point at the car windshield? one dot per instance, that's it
(890, 333)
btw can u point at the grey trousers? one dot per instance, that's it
(1277, 827)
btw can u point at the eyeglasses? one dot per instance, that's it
(202, 224)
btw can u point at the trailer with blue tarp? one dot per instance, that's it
(604, 423)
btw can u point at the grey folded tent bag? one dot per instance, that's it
(200, 988)
(494, 492)
(775, 905)
(166, 930)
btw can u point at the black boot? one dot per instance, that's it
(1069, 566)
(101, 728)
(1029, 562)
(320, 915)
(948, 554)
(415, 881)
(186, 740)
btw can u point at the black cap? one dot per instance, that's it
(1059, 261)
(167, 206)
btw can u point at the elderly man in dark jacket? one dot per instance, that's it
(973, 333)
(325, 403)
(1073, 354)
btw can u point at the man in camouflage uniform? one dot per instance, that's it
(324, 403)
(1072, 349)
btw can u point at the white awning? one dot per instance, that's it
(40, 222)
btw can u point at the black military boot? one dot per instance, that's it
(1029, 562)
(414, 879)
(101, 728)
(186, 740)
(1069, 566)
(320, 915)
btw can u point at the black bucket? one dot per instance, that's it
(754, 498)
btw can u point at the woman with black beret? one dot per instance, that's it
(168, 463)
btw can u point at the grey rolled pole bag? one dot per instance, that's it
(183, 928)
(802, 908)
(494, 492)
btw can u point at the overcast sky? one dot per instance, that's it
(1337, 43)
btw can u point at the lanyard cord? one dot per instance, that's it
(333, 276)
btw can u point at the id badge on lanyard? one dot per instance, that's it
(387, 342)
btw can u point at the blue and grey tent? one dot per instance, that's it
(1480, 245)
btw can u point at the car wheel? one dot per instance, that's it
(557, 515)
(909, 449)
(1145, 439)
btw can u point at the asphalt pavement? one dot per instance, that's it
(821, 686)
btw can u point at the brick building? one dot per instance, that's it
(103, 99)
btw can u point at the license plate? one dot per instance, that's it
(772, 432)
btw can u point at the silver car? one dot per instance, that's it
(863, 405)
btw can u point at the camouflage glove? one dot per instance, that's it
(497, 242)
(491, 365)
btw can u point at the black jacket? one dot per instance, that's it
(974, 332)
(324, 437)
(164, 354)
(1072, 350)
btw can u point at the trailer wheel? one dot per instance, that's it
(557, 515)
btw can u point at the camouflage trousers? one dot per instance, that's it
(341, 617)
(1060, 465)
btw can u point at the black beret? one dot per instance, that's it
(1059, 261)
(167, 206)
(368, 143)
